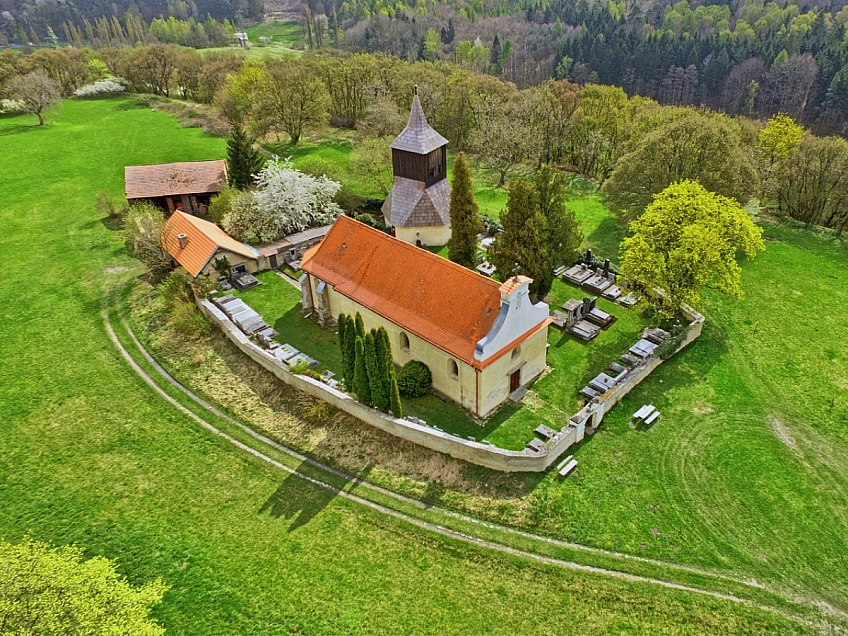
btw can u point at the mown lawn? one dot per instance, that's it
(89, 454)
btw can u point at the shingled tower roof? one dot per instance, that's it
(418, 136)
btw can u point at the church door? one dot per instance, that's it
(514, 381)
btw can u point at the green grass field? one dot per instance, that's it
(747, 471)
(90, 454)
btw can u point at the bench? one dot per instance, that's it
(644, 412)
(568, 468)
(651, 419)
(564, 462)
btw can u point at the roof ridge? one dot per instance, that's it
(424, 252)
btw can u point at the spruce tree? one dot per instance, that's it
(360, 375)
(522, 241)
(350, 353)
(397, 407)
(465, 220)
(243, 160)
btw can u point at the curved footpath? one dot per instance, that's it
(328, 472)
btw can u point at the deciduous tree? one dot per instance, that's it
(811, 186)
(47, 590)
(464, 218)
(36, 91)
(144, 235)
(372, 161)
(778, 139)
(292, 98)
(686, 239)
(695, 146)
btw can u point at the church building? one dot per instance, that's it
(481, 339)
(418, 206)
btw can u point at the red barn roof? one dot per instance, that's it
(201, 242)
(174, 179)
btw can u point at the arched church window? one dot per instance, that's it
(453, 368)
(404, 342)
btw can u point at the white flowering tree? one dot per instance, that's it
(285, 201)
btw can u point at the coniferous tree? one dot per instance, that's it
(376, 375)
(396, 406)
(522, 242)
(243, 160)
(350, 353)
(465, 220)
(360, 375)
(360, 326)
(342, 325)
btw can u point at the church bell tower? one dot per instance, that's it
(418, 207)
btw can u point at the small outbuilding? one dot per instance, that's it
(187, 186)
(197, 245)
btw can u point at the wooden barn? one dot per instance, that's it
(187, 186)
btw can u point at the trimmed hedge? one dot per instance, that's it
(414, 379)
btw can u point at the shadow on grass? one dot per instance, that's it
(606, 239)
(20, 129)
(301, 500)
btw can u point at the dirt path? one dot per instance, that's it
(416, 522)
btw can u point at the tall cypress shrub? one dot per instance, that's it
(376, 371)
(350, 353)
(342, 324)
(397, 407)
(360, 326)
(360, 375)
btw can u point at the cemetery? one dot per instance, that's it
(566, 403)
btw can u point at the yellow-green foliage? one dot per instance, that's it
(46, 590)
(688, 238)
(780, 136)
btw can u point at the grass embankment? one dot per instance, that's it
(89, 454)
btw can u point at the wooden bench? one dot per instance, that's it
(568, 468)
(651, 419)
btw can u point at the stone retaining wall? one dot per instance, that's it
(527, 460)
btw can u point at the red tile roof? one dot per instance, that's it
(437, 300)
(202, 241)
(173, 179)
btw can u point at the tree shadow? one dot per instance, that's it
(300, 499)
(606, 238)
(20, 129)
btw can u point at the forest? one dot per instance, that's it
(752, 58)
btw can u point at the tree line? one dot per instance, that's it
(99, 22)
(634, 145)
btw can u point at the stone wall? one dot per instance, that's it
(480, 453)
(593, 413)
(474, 452)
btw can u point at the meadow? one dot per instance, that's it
(90, 454)
(746, 472)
